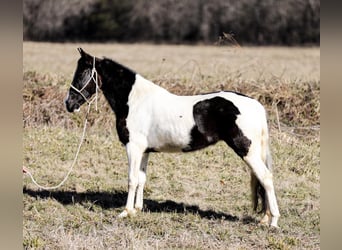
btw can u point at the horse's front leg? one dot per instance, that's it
(141, 183)
(134, 155)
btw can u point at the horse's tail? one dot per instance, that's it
(258, 190)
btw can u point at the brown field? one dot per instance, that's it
(198, 200)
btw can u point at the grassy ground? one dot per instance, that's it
(198, 200)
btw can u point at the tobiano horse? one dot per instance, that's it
(151, 119)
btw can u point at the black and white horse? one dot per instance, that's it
(151, 119)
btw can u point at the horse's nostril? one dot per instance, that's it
(69, 109)
(68, 106)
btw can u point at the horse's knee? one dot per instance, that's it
(133, 180)
(259, 168)
(132, 183)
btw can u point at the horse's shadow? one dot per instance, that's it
(117, 199)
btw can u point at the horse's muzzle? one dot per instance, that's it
(71, 107)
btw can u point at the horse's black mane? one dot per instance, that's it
(110, 63)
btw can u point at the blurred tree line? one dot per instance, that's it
(257, 22)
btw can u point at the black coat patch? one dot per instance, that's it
(117, 82)
(215, 120)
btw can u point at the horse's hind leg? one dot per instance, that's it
(258, 191)
(265, 177)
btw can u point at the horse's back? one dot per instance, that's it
(186, 123)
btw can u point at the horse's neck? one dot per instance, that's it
(117, 82)
(117, 103)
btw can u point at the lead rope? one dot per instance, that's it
(26, 171)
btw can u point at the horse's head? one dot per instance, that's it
(84, 83)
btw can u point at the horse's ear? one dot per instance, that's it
(82, 53)
(85, 56)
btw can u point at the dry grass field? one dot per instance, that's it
(198, 200)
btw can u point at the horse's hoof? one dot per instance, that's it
(127, 213)
(265, 220)
(274, 222)
(123, 214)
(138, 209)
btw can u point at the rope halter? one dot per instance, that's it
(95, 79)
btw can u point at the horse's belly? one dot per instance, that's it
(170, 136)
